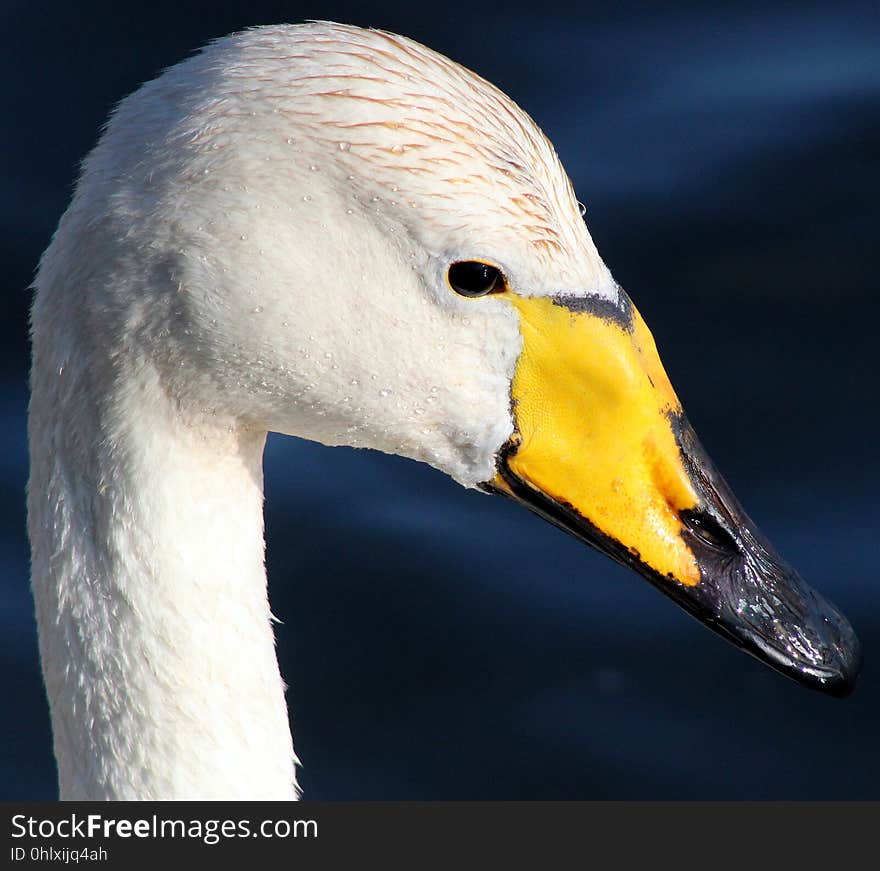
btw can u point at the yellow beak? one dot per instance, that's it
(595, 414)
(603, 450)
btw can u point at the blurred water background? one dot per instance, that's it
(444, 644)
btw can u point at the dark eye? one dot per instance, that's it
(470, 278)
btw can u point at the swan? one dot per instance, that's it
(338, 234)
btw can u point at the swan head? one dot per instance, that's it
(342, 235)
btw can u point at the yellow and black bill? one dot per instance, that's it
(602, 449)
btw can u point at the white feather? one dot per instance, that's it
(258, 242)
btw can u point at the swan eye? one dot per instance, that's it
(471, 278)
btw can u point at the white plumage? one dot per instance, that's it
(258, 242)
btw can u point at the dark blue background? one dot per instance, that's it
(442, 644)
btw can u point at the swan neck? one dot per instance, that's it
(155, 631)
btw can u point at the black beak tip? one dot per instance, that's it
(842, 675)
(834, 672)
(842, 660)
(839, 682)
(840, 685)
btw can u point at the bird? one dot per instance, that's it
(339, 234)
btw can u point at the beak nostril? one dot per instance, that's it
(708, 530)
